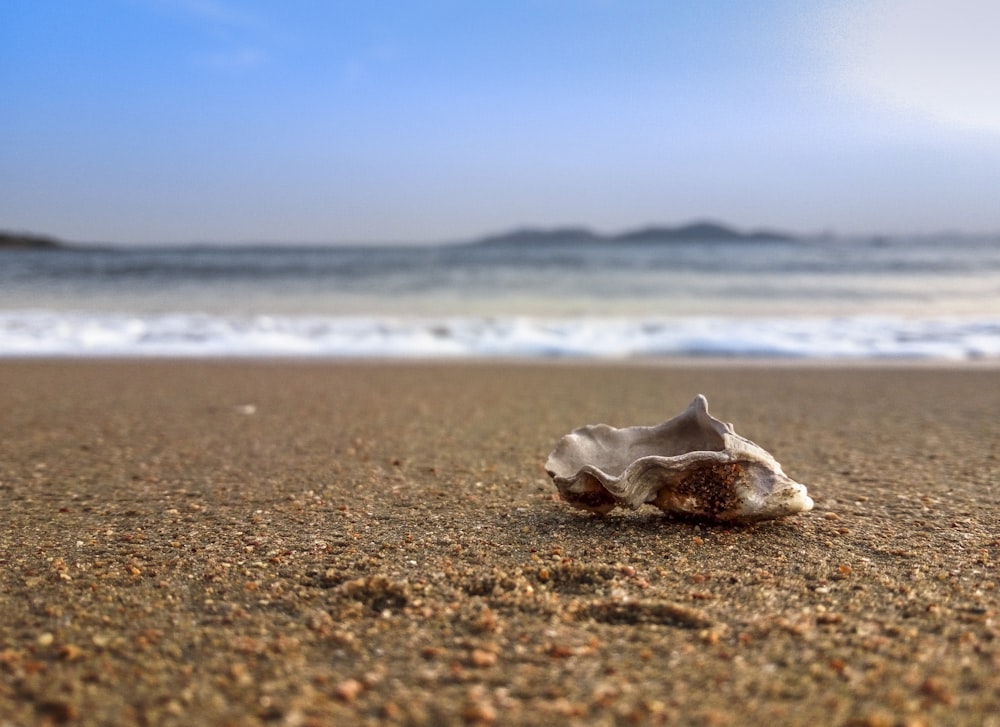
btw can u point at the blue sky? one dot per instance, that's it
(434, 120)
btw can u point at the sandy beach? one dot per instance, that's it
(298, 543)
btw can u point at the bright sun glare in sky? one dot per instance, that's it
(930, 57)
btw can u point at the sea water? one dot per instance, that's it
(934, 297)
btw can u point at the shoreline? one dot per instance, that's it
(796, 340)
(986, 363)
(314, 541)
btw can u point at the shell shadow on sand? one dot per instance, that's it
(693, 466)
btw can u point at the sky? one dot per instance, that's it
(157, 121)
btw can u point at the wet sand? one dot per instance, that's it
(320, 543)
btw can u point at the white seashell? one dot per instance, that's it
(692, 465)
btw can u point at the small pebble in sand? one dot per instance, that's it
(70, 652)
(348, 690)
(482, 658)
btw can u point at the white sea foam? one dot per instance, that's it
(49, 333)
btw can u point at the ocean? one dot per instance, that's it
(934, 297)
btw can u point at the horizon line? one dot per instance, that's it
(526, 228)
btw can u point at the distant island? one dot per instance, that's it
(28, 241)
(694, 232)
(653, 234)
(570, 235)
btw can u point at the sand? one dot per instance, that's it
(321, 543)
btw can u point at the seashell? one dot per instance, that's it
(692, 465)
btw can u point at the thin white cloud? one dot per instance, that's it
(212, 10)
(237, 39)
(359, 68)
(206, 10)
(936, 58)
(232, 60)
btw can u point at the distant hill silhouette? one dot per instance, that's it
(533, 235)
(27, 241)
(694, 232)
(653, 234)
(707, 231)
